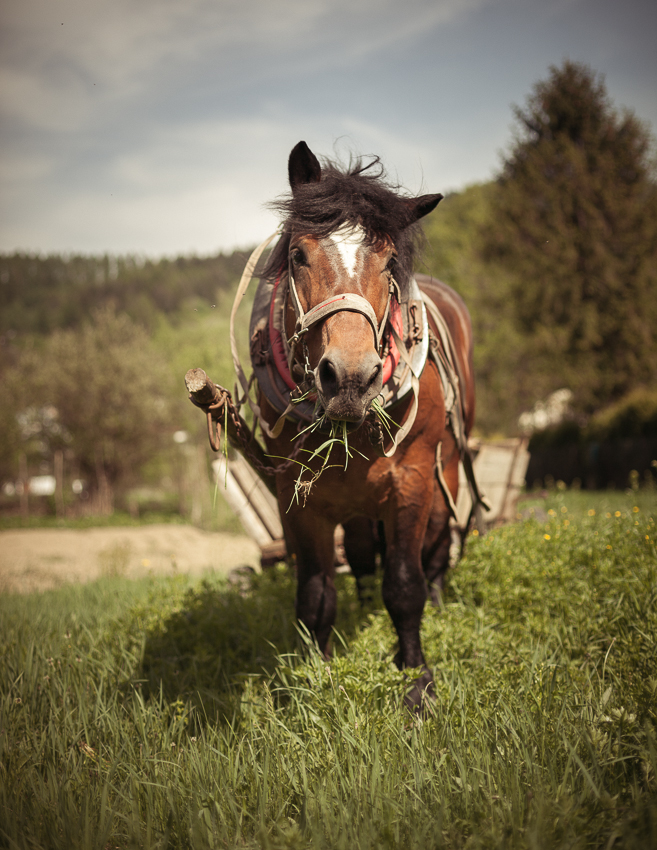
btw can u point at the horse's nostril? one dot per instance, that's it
(328, 375)
(375, 374)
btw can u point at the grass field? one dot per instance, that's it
(164, 713)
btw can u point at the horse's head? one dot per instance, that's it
(344, 346)
(349, 242)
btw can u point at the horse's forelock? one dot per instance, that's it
(357, 196)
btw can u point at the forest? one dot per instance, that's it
(556, 259)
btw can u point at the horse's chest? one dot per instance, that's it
(340, 494)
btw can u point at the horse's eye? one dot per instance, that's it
(392, 262)
(297, 257)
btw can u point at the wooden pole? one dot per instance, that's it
(205, 392)
(240, 503)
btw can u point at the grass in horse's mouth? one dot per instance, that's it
(338, 436)
(384, 418)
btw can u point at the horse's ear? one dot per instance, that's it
(303, 166)
(419, 207)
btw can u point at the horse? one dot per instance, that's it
(356, 327)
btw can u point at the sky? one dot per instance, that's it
(163, 127)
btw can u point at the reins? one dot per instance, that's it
(245, 280)
(447, 365)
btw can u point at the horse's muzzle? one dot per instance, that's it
(346, 386)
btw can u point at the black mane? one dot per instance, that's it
(358, 195)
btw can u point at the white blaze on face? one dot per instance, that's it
(347, 241)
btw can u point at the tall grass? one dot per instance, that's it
(170, 714)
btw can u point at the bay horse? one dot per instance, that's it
(351, 331)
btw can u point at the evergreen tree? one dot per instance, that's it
(574, 221)
(454, 254)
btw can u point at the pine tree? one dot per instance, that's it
(575, 224)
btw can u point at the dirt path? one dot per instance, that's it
(40, 559)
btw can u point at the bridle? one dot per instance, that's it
(348, 301)
(305, 319)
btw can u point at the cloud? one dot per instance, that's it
(199, 187)
(135, 108)
(21, 167)
(189, 189)
(67, 62)
(165, 125)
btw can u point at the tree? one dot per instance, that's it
(454, 254)
(574, 222)
(109, 393)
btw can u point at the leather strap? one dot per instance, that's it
(454, 407)
(404, 429)
(245, 280)
(336, 304)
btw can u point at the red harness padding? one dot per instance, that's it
(278, 346)
(393, 352)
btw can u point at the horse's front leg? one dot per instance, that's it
(311, 536)
(360, 547)
(404, 587)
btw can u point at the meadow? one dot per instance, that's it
(178, 714)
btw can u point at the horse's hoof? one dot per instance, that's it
(420, 694)
(435, 595)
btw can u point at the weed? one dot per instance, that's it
(114, 560)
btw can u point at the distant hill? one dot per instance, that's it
(39, 294)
